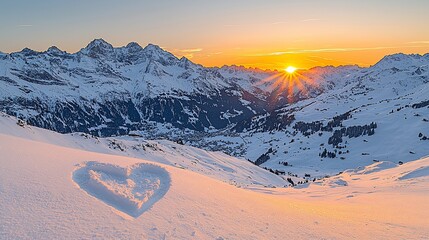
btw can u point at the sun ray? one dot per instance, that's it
(287, 84)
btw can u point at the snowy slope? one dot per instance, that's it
(49, 191)
(218, 165)
(374, 114)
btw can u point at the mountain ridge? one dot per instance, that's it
(108, 91)
(132, 72)
(136, 46)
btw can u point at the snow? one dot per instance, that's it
(52, 191)
(376, 167)
(417, 173)
(238, 172)
(55, 186)
(383, 94)
(101, 71)
(131, 190)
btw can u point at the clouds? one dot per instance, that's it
(290, 21)
(324, 50)
(311, 20)
(187, 52)
(191, 50)
(419, 42)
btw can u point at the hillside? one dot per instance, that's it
(218, 165)
(53, 191)
(373, 114)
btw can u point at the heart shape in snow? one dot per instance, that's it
(131, 190)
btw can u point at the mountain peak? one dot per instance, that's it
(97, 48)
(395, 56)
(28, 52)
(99, 42)
(133, 47)
(156, 53)
(54, 50)
(153, 48)
(184, 59)
(399, 60)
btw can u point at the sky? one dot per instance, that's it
(268, 34)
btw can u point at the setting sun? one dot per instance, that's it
(290, 69)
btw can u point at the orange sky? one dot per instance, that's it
(269, 34)
(300, 57)
(310, 42)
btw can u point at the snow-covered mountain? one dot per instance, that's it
(360, 116)
(315, 122)
(109, 91)
(369, 115)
